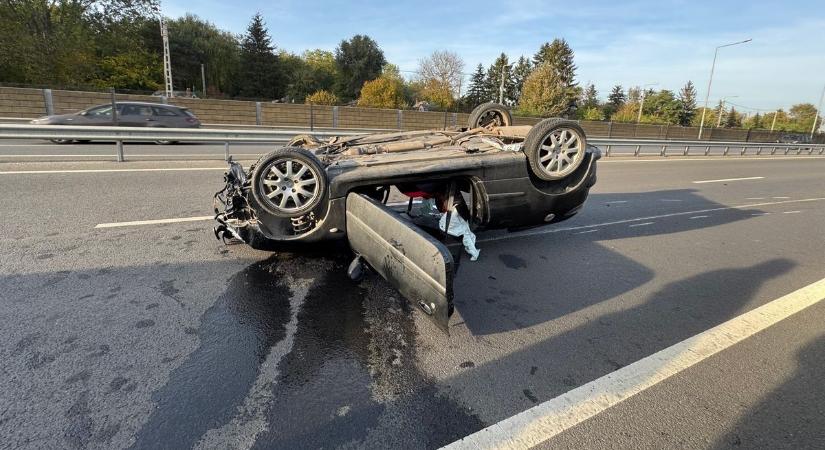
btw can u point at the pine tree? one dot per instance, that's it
(590, 97)
(757, 121)
(477, 93)
(358, 60)
(733, 119)
(493, 81)
(615, 100)
(259, 75)
(559, 56)
(687, 104)
(520, 74)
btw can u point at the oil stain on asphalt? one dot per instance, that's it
(347, 379)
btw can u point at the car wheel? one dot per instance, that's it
(289, 182)
(555, 148)
(62, 141)
(490, 115)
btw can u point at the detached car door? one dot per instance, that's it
(415, 263)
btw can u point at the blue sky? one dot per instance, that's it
(627, 43)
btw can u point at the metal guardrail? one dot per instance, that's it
(227, 136)
(636, 146)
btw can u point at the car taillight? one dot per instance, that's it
(192, 120)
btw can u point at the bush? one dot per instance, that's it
(322, 97)
(382, 92)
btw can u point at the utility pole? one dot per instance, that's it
(167, 62)
(816, 113)
(203, 80)
(501, 86)
(642, 101)
(773, 123)
(710, 81)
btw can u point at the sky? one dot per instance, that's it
(633, 43)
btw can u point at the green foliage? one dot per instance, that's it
(628, 112)
(592, 113)
(500, 72)
(521, 71)
(358, 60)
(259, 75)
(134, 70)
(615, 100)
(194, 41)
(733, 119)
(383, 92)
(559, 56)
(661, 107)
(544, 94)
(589, 98)
(710, 117)
(322, 97)
(687, 104)
(477, 92)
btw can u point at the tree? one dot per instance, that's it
(383, 92)
(802, 116)
(590, 97)
(592, 113)
(661, 107)
(477, 92)
(322, 97)
(733, 119)
(614, 101)
(499, 75)
(358, 60)
(754, 122)
(259, 75)
(544, 93)
(628, 112)
(520, 73)
(559, 56)
(442, 69)
(192, 42)
(687, 104)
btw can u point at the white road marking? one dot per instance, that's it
(780, 198)
(618, 201)
(637, 219)
(153, 222)
(697, 217)
(641, 224)
(761, 214)
(755, 198)
(588, 231)
(669, 200)
(165, 169)
(791, 212)
(728, 179)
(546, 420)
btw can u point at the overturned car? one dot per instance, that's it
(490, 175)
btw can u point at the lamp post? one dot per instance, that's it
(722, 109)
(710, 81)
(818, 110)
(642, 101)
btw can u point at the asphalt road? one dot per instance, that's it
(158, 336)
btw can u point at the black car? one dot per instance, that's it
(129, 114)
(491, 174)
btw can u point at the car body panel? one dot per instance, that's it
(129, 114)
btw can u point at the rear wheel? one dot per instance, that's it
(490, 115)
(555, 148)
(289, 182)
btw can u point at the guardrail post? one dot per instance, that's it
(664, 151)
(607, 151)
(609, 129)
(707, 150)
(821, 150)
(758, 151)
(787, 149)
(335, 116)
(47, 99)
(799, 150)
(727, 149)
(773, 151)
(258, 113)
(687, 149)
(638, 150)
(226, 151)
(119, 148)
(400, 120)
(744, 149)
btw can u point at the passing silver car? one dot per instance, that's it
(129, 114)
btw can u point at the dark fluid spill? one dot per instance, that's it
(236, 334)
(322, 398)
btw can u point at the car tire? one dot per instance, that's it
(289, 182)
(62, 141)
(555, 148)
(490, 114)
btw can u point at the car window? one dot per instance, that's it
(100, 111)
(164, 112)
(137, 110)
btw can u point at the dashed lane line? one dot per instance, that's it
(546, 420)
(722, 180)
(697, 217)
(153, 222)
(643, 224)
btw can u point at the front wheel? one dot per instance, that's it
(555, 148)
(289, 182)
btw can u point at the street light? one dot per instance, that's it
(818, 111)
(707, 95)
(722, 109)
(642, 102)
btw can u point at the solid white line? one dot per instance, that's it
(755, 198)
(697, 217)
(167, 169)
(791, 212)
(641, 224)
(637, 219)
(780, 197)
(588, 231)
(618, 201)
(546, 420)
(153, 222)
(727, 179)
